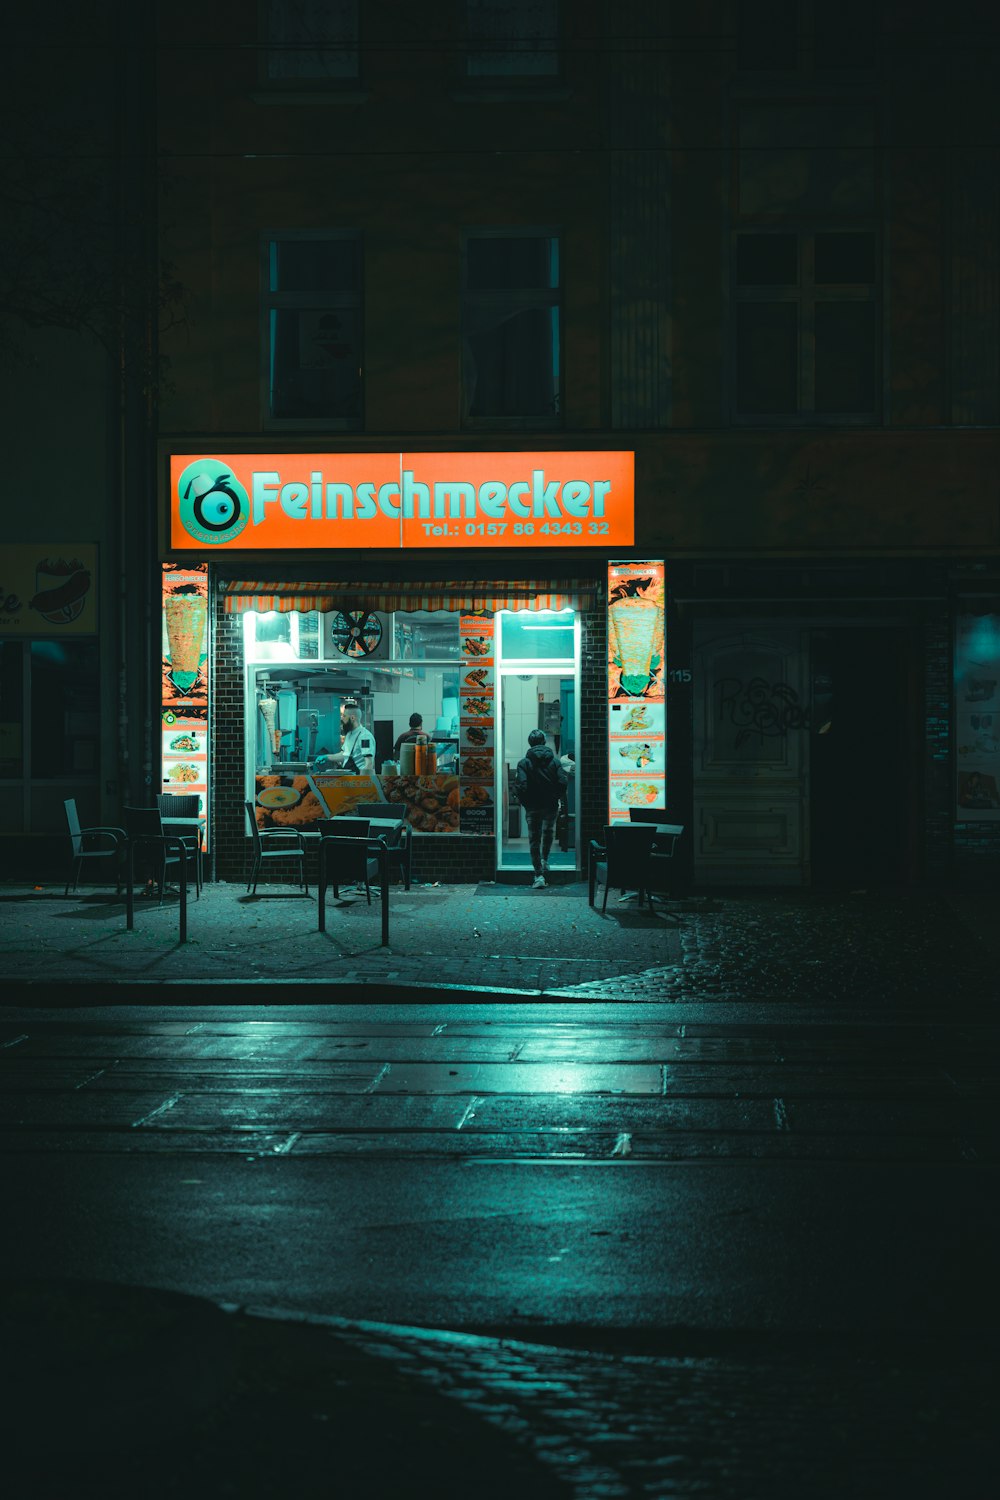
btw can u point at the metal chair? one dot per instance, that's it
(353, 859)
(167, 851)
(274, 843)
(624, 858)
(114, 840)
(399, 839)
(185, 805)
(667, 836)
(344, 855)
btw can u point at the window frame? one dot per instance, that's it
(517, 84)
(523, 299)
(302, 84)
(271, 301)
(805, 294)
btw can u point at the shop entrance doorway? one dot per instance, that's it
(544, 700)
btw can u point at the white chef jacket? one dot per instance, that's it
(359, 743)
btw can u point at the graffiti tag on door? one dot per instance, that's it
(767, 710)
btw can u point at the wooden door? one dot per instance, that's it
(751, 754)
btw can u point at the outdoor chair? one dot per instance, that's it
(274, 843)
(346, 860)
(661, 858)
(185, 805)
(345, 856)
(622, 860)
(110, 843)
(163, 850)
(398, 839)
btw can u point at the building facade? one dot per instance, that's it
(755, 247)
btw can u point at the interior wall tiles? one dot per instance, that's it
(638, 218)
(975, 288)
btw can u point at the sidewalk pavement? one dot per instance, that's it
(495, 940)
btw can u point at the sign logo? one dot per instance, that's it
(214, 507)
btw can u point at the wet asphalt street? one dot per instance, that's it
(740, 1220)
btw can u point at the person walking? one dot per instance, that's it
(540, 786)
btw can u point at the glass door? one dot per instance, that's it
(535, 698)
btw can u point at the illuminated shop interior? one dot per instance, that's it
(302, 668)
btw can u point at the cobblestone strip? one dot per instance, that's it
(817, 1420)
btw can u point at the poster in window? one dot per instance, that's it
(977, 713)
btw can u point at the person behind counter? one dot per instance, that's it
(416, 729)
(357, 752)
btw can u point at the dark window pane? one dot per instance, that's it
(312, 39)
(527, 262)
(768, 35)
(844, 33)
(512, 38)
(511, 363)
(316, 362)
(65, 708)
(845, 357)
(11, 709)
(314, 266)
(845, 258)
(767, 260)
(767, 358)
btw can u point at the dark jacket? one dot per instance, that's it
(540, 781)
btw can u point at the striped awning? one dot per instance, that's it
(523, 593)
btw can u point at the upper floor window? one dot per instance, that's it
(806, 36)
(806, 325)
(510, 328)
(512, 41)
(310, 42)
(312, 332)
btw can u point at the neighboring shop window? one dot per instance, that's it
(510, 329)
(512, 41)
(11, 709)
(65, 711)
(313, 339)
(49, 731)
(49, 709)
(977, 712)
(311, 42)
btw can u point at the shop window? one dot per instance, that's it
(512, 41)
(310, 42)
(11, 708)
(65, 716)
(510, 329)
(312, 329)
(49, 731)
(537, 635)
(422, 634)
(806, 326)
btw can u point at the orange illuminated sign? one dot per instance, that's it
(289, 501)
